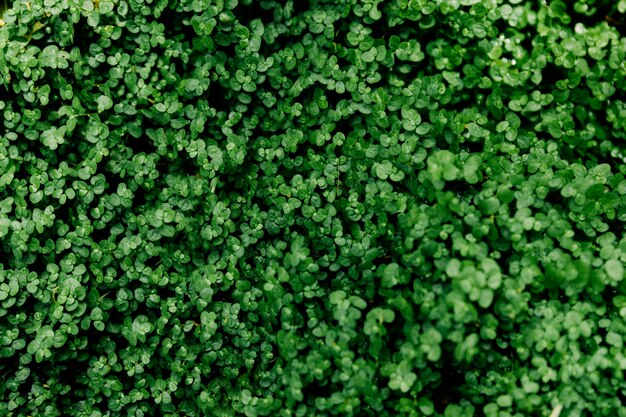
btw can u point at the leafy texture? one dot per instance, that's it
(312, 208)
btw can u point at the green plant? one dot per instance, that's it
(278, 208)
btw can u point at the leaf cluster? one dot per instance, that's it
(278, 208)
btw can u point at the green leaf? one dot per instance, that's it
(453, 269)
(370, 55)
(442, 165)
(471, 169)
(486, 298)
(390, 275)
(106, 6)
(104, 103)
(402, 379)
(489, 205)
(337, 296)
(410, 118)
(426, 406)
(216, 156)
(453, 410)
(620, 301)
(87, 5)
(53, 137)
(383, 170)
(614, 269)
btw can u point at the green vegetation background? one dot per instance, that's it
(312, 208)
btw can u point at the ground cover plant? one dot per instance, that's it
(312, 208)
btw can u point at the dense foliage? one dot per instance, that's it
(312, 208)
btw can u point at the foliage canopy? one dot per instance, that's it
(312, 208)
